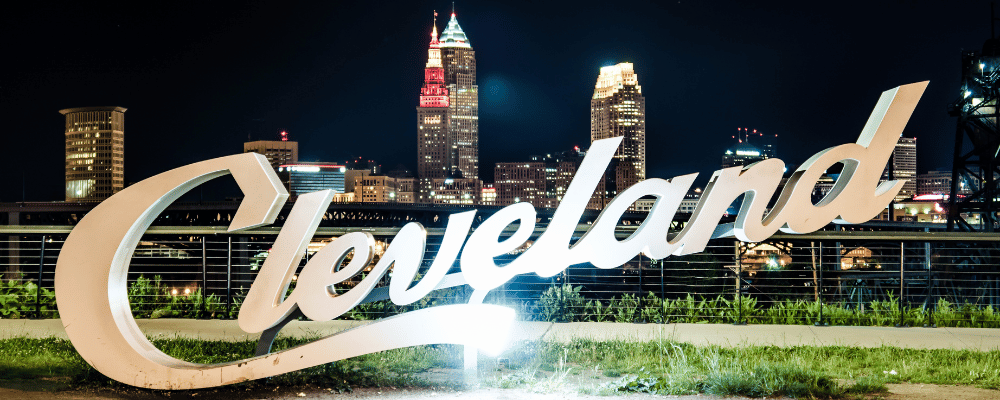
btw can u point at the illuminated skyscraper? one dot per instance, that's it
(619, 109)
(433, 122)
(460, 77)
(448, 121)
(904, 167)
(95, 152)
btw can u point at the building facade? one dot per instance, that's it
(934, 182)
(278, 152)
(305, 177)
(904, 166)
(374, 189)
(741, 155)
(543, 181)
(95, 152)
(518, 182)
(618, 108)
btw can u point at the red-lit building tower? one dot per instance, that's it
(433, 123)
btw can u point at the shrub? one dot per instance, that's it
(626, 308)
(562, 303)
(18, 299)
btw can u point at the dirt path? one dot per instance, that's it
(919, 391)
(897, 392)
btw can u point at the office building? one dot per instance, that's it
(95, 152)
(935, 182)
(448, 120)
(374, 189)
(742, 154)
(406, 189)
(305, 177)
(278, 152)
(618, 108)
(751, 146)
(542, 181)
(363, 164)
(488, 196)
(904, 166)
(518, 182)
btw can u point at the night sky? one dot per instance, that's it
(343, 78)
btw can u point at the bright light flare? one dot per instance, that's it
(494, 341)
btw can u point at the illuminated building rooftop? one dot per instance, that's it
(615, 77)
(453, 36)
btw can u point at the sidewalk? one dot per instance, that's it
(983, 339)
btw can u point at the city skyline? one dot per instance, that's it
(334, 85)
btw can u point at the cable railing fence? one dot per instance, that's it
(878, 280)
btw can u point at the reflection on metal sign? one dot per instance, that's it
(92, 268)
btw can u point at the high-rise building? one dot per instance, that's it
(904, 166)
(448, 120)
(278, 152)
(95, 152)
(619, 109)
(459, 62)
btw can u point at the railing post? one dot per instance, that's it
(902, 281)
(930, 287)
(41, 270)
(739, 285)
(663, 296)
(819, 283)
(204, 278)
(639, 318)
(229, 276)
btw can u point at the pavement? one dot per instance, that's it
(983, 339)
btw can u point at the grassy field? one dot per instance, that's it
(608, 367)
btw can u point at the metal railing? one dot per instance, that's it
(839, 278)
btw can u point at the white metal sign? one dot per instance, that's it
(93, 264)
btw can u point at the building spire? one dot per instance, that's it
(434, 29)
(453, 9)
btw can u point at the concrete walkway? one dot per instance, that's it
(698, 334)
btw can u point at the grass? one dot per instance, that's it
(609, 367)
(667, 367)
(24, 358)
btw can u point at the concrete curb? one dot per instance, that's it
(983, 339)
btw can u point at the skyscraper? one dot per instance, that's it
(904, 166)
(95, 152)
(433, 122)
(619, 109)
(448, 121)
(460, 77)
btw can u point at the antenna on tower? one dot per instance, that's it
(453, 9)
